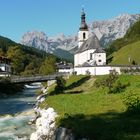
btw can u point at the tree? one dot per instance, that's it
(134, 62)
(32, 65)
(60, 85)
(1, 52)
(17, 59)
(48, 66)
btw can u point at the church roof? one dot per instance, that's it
(91, 43)
(86, 64)
(99, 50)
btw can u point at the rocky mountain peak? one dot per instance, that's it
(112, 29)
(35, 39)
(105, 30)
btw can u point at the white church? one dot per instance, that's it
(89, 51)
(90, 58)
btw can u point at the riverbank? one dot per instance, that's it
(45, 122)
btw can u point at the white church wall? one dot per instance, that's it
(100, 58)
(80, 37)
(99, 70)
(76, 59)
(89, 52)
(83, 57)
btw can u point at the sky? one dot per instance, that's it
(57, 16)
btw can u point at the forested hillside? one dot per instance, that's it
(27, 60)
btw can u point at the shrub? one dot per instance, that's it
(88, 72)
(108, 81)
(60, 85)
(119, 87)
(132, 102)
(130, 70)
(111, 82)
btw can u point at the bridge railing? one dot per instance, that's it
(35, 78)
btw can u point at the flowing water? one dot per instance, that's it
(15, 113)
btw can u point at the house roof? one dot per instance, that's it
(65, 66)
(91, 43)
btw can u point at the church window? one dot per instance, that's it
(90, 56)
(99, 60)
(84, 35)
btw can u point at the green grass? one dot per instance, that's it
(131, 50)
(96, 114)
(71, 83)
(74, 79)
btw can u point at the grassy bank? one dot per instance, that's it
(126, 54)
(92, 112)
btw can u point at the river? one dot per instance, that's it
(15, 113)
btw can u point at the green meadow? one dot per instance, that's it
(123, 55)
(92, 112)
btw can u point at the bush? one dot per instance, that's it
(88, 72)
(119, 87)
(108, 81)
(60, 87)
(130, 70)
(132, 102)
(111, 82)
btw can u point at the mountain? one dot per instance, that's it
(126, 50)
(41, 41)
(106, 31)
(112, 29)
(55, 45)
(131, 36)
(36, 39)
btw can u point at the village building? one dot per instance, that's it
(5, 68)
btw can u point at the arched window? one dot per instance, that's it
(84, 35)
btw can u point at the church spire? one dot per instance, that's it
(83, 25)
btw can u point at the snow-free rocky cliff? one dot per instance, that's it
(106, 31)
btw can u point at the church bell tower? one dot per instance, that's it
(83, 33)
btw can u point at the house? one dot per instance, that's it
(64, 67)
(5, 68)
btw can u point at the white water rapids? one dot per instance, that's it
(15, 113)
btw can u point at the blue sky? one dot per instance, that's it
(57, 16)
